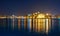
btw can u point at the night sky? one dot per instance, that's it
(23, 7)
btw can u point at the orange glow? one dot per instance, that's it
(39, 22)
(47, 14)
(46, 25)
(18, 23)
(41, 16)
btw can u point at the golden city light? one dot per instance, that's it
(41, 16)
(40, 22)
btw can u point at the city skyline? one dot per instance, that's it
(36, 22)
(31, 14)
(30, 17)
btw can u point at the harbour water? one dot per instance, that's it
(29, 27)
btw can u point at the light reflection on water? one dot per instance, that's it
(35, 25)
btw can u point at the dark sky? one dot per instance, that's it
(23, 7)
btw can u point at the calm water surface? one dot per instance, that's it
(24, 27)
